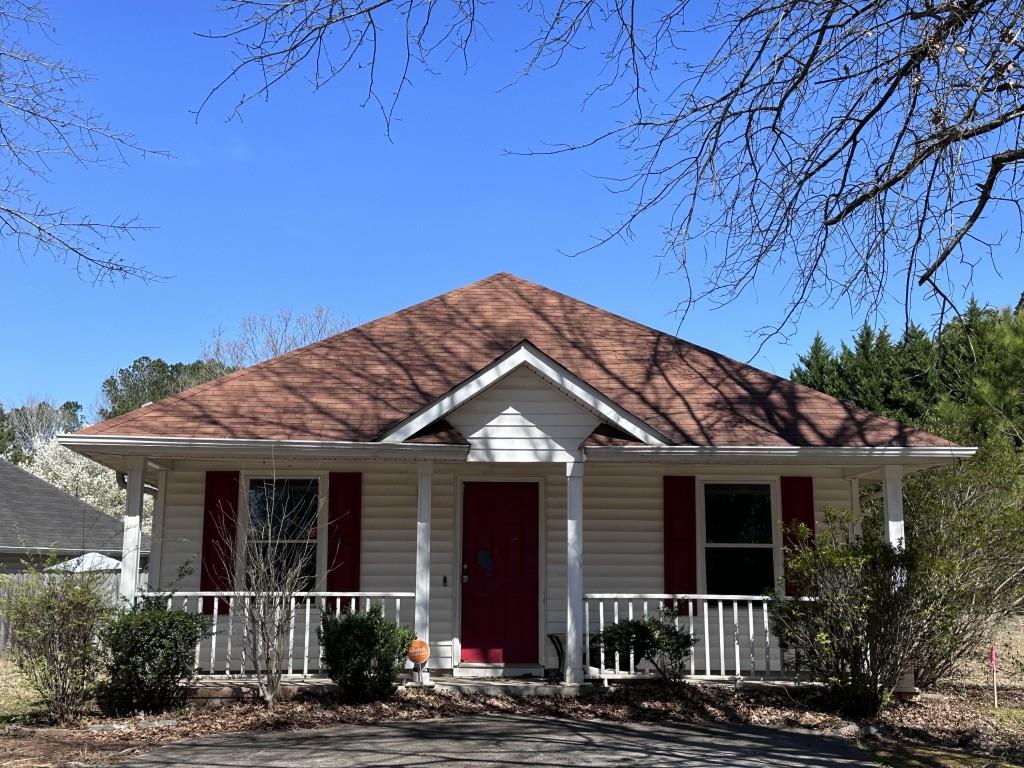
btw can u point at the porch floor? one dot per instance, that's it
(221, 689)
(507, 686)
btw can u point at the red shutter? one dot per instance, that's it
(797, 507)
(344, 521)
(219, 524)
(680, 532)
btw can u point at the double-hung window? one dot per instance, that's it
(739, 549)
(281, 537)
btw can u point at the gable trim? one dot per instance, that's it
(526, 354)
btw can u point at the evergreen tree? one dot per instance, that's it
(148, 379)
(819, 370)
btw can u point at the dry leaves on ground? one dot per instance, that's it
(956, 717)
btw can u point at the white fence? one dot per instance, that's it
(732, 633)
(225, 649)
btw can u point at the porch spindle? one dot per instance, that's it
(706, 639)
(213, 635)
(199, 610)
(632, 665)
(231, 631)
(245, 632)
(588, 662)
(736, 635)
(767, 640)
(721, 641)
(305, 644)
(615, 620)
(291, 636)
(689, 611)
(750, 632)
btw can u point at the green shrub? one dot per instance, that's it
(868, 616)
(364, 653)
(55, 622)
(656, 640)
(151, 652)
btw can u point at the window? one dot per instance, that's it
(282, 534)
(739, 554)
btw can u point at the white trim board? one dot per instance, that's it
(556, 375)
(748, 455)
(106, 448)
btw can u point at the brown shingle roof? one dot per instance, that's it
(358, 384)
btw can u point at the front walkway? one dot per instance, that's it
(513, 741)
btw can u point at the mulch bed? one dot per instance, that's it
(958, 717)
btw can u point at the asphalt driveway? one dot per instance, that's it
(511, 741)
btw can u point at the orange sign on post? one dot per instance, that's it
(419, 652)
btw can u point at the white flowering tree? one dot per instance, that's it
(82, 478)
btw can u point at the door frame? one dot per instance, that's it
(460, 489)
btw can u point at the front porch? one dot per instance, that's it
(599, 533)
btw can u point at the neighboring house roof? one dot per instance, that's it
(361, 384)
(36, 516)
(90, 562)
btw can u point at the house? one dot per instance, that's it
(39, 521)
(506, 469)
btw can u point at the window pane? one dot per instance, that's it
(282, 509)
(279, 562)
(738, 571)
(738, 513)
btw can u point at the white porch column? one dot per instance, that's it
(424, 490)
(131, 541)
(892, 491)
(892, 488)
(574, 572)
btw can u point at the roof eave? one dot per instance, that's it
(920, 457)
(216, 447)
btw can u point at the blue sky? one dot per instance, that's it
(307, 201)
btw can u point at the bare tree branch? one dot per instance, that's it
(844, 148)
(43, 123)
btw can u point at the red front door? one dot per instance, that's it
(499, 573)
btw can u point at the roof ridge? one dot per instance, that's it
(177, 397)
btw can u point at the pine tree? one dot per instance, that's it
(819, 370)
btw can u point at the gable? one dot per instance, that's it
(525, 355)
(523, 418)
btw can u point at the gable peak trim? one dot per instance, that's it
(555, 374)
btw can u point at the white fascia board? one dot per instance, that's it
(556, 375)
(784, 454)
(184, 447)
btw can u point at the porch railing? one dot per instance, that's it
(225, 649)
(732, 633)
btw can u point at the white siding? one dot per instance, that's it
(523, 418)
(622, 531)
(182, 529)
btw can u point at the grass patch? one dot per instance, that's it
(17, 700)
(1010, 717)
(909, 755)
